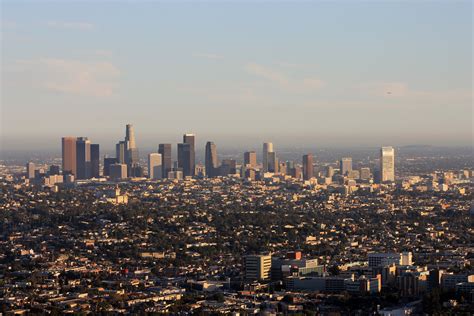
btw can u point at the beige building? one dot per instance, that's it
(154, 166)
(257, 267)
(387, 164)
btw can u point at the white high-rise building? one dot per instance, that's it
(387, 164)
(346, 165)
(30, 170)
(154, 166)
(267, 148)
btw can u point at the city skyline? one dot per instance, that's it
(160, 164)
(236, 157)
(234, 82)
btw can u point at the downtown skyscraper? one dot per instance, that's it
(80, 158)
(166, 163)
(211, 160)
(187, 154)
(127, 153)
(273, 165)
(30, 170)
(345, 165)
(95, 161)
(108, 161)
(68, 146)
(250, 159)
(184, 154)
(387, 164)
(132, 147)
(121, 152)
(155, 166)
(267, 149)
(307, 166)
(83, 158)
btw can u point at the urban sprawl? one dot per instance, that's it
(90, 234)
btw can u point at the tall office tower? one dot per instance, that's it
(166, 163)
(228, 166)
(30, 170)
(377, 174)
(133, 156)
(155, 170)
(191, 140)
(272, 162)
(107, 163)
(130, 136)
(95, 161)
(69, 155)
(365, 173)
(257, 267)
(297, 172)
(329, 171)
(387, 164)
(118, 171)
(345, 165)
(267, 148)
(307, 166)
(184, 159)
(83, 158)
(290, 164)
(211, 161)
(121, 151)
(250, 158)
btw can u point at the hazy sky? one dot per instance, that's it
(309, 73)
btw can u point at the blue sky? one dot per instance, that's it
(307, 73)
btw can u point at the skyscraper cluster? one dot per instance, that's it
(82, 159)
(187, 155)
(211, 161)
(127, 153)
